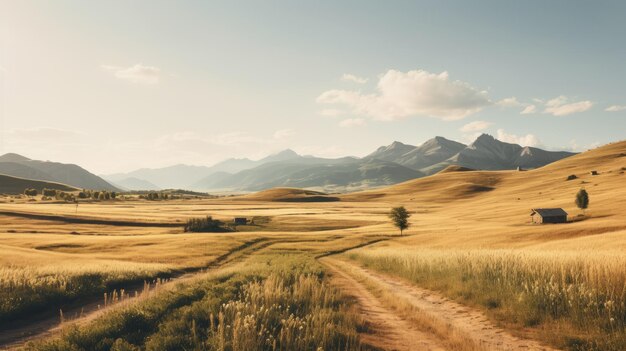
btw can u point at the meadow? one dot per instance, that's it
(262, 287)
(285, 306)
(575, 300)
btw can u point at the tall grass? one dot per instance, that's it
(575, 300)
(279, 303)
(26, 289)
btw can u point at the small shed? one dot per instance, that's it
(548, 215)
(593, 172)
(240, 220)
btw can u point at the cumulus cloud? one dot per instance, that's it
(352, 122)
(615, 108)
(475, 126)
(413, 93)
(524, 140)
(560, 106)
(352, 78)
(529, 109)
(509, 102)
(138, 74)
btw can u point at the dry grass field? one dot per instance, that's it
(471, 261)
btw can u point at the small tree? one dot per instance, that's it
(400, 218)
(30, 192)
(582, 199)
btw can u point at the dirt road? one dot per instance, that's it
(49, 322)
(392, 332)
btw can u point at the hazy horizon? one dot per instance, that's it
(118, 86)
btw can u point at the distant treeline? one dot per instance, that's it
(49, 194)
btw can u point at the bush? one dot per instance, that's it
(31, 192)
(49, 192)
(205, 225)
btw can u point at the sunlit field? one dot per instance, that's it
(87, 279)
(275, 302)
(575, 299)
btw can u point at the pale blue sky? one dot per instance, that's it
(117, 85)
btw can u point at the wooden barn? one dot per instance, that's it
(548, 215)
(240, 221)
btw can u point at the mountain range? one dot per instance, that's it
(22, 167)
(387, 165)
(390, 164)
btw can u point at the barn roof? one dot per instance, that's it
(549, 212)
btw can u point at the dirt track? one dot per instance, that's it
(391, 332)
(48, 322)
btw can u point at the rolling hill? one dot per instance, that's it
(328, 174)
(485, 152)
(387, 165)
(540, 187)
(488, 153)
(133, 183)
(22, 167)
(186, 176)
(15, 185)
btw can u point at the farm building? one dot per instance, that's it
(548, 215)
(240, 220)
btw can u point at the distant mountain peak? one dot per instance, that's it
(286, 152)
(396, 144)
(485, 137)
(13, 157)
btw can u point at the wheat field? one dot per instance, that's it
(471, 240)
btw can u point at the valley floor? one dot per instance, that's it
(470, 274)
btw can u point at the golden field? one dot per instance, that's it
(471, 241)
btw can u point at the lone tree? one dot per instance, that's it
(582, 199)
(400, 218)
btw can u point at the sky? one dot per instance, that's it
(118, 85)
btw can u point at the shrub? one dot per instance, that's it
(31, 192)
(49, 192)
(205, 225)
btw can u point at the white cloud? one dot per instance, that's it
(615, 108)
(509, 102)
(331, 112)
(524, 140)
(529, 109)
(414, 93)
(475, 126)
(283, 133)
(138, 73)
(560, 106)
(352, 78)
(352, 122)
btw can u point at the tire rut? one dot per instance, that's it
(466, 321)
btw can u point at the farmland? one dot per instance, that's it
(471, 245)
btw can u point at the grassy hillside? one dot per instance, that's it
(15, 185)
(290, 195)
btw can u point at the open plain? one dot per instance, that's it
(471, 273)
